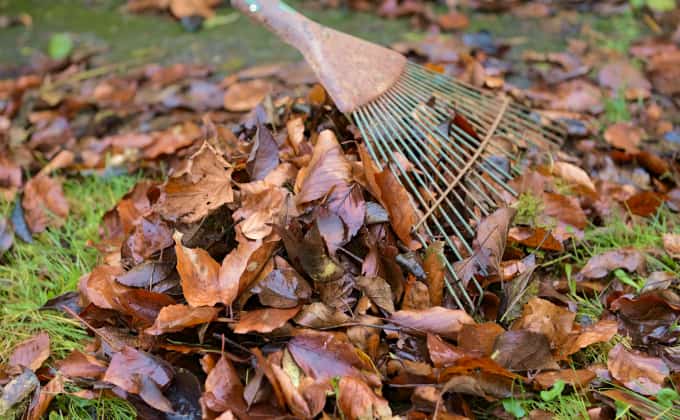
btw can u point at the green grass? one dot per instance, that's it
(30, 274)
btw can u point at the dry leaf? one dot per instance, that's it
(436, 320)
(174, 318)
(244, 96)
(44, 203)
(637, 372)
(31, 353)
(263, 320)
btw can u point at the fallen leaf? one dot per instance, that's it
(357, 400)
(624, 136)
(435, 269)
(223, 388)
(263, 320)
(565, 209)
(173, 318)
(523, 350)
(478, 339)
(398, 204)
(536, 237)
(441, 353)
(6, 236)
(600, 332)
(601, 265)
(645, 203)
(671, 243)
(436, 320)
(318, 315)
(244, 96)
(578, 378)
(542, 316)
(282, 287)
(378, 291)
(241, 266)
(453, 21)
(199, 274)
(44, 203)
(129, 364)
(573, 174)
(623, 75)
(47, 393)
(81, 365)
(637, 372)
(265, 154)
(328, 169)
(31, 353)
(201, 187)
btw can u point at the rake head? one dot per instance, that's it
(453, 147)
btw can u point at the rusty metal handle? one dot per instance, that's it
(281, 19)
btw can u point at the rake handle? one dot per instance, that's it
(287, 24)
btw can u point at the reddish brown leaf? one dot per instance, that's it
(578, 378)
(378, 291)
(328, 169)
(453, 21)
(223, 388)
(47, 393)
(435, 269)
(601, 332)
(624, 136)
(436, 320)
(266, 154)
(636, 371)
(524, 350)
(398, 204)
(44, 203)
(618, 75)
(142, 305)
(31, 353)
(263, 320)
(573, 174)
(199, 274)
(442, 353)
(262, 205)
(129, 364)
(244, 96)
(318, 315)
(81, 365)
(535, 237)
(294, 400)
(101, 288)
(357, 401)
(478, 339)
(323, 356)
(203, 185)
(240, 267)
(565, 209)
(645, 203)
(600, 265)
(544, 317)
(174, 318)
(671, 243)
(282, 287)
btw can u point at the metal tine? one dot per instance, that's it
(472, 91)
(472, 142)
(367, 129)
(475, 123)
(378, 108)
(467, 137)
(464, 92)
(443, 143)
(380, 142)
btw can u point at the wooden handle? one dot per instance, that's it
(289, 25)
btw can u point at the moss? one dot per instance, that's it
(528, 207)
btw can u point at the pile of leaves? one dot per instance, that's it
(271, 274)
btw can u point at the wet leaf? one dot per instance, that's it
(577, 378)
(436, 320)
(81, 365)
(442, 353)
(601, 265)
(174, 318)
(645, 203)
(47, 393)
(535, 238)
(600, 332)
(544, 317)
(378, 291)
(435, 269)
(199, 274)
(202, 186)
(128, 365)
(223, 388)
(31, 353)
(357, 400)
(398, 204)
(44, 203)
(523, 350)
(479, 339)
(637, 372)
(264, 320)
(282, 287)
(318, 315)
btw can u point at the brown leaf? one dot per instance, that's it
(294, 400)
(601, 265)
(542, 316)
(6, 236)
(578, 378)
(671, 243)
(478, 339)
(263, 320)
(174, 318)
(624, 136)
(436, 320)
(619, 75)
(142, 305)
(442, 353)
(150, 392)
(81, 365)
(266, 154)
(150, 235)
(639, 404)
(282, 287)
(262, 205)
(637, 372)
(600, 332)
(201, 187)
(244, 96)
(435, 269)
(378, 291)
(328, 169)
(357, 400)
(319, 315)
(645, 203)
(323, 356)
(31, 353)
(565, 209)
(523, 350)
(535, 238)
(223, 388)
(309, 254)
(129, 364)
(453, 21)
(44, 203)
(47, 393)
(241, 266)
(397, 201)
(199, 274)
(573, 174)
